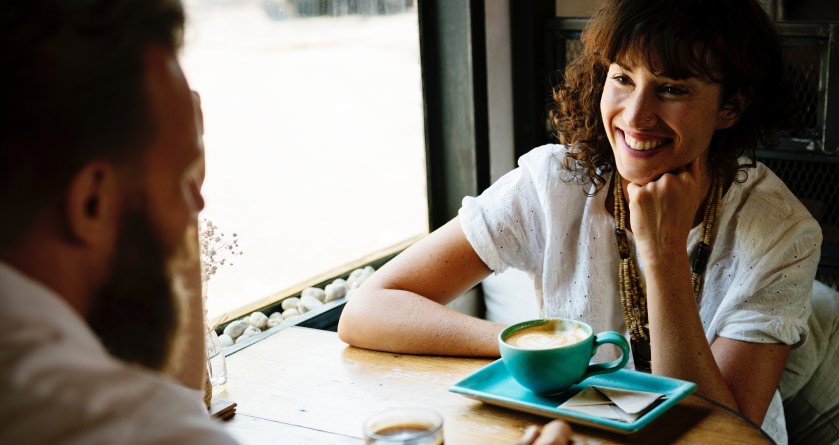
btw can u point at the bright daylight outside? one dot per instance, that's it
(314, 136)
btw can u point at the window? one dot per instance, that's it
(314, 137)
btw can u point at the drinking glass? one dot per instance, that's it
(405, 426)
(216, 366)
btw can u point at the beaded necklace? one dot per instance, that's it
(632, 292)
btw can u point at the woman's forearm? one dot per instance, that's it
(401, 307)
(402, 321)
(678, 343)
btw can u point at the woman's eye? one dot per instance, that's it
(671, 90)
(621, 79)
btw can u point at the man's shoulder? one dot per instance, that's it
(60, 385)
(47, 381)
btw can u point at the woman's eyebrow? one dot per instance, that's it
(624, 66)
(696, 77)
(662, 75)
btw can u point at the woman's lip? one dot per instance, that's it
(642, 153)
(644, 136)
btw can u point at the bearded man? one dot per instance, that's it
(101, 164)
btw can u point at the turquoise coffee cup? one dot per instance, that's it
(547, 368)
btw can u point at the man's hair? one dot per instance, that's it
(73, 79)
(731, 42)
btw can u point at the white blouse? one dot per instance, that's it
(756, 286)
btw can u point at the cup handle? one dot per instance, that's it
(615, 339)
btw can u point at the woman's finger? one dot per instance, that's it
(530, 434)
(555, 433)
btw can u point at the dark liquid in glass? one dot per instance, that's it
(402, 431)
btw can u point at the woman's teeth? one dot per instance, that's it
(635, 144)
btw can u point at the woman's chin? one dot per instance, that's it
(638, 177)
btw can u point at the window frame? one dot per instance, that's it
(455, 111)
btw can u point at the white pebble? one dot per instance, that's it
(310, 303)
(225, 340)
(334, 291)
(258, 320)
(301, 308)
(236, 328)
(313, 292)
(249, 332)
(274, 322)
(289, 303)
(358, 276)
(275, 315)
(289, 313)
(355, 274)
(340, 280)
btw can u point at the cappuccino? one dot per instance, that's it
(549, 355)
(546, 336)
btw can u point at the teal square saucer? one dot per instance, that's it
(493, 385)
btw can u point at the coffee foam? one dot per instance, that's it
(546, 337)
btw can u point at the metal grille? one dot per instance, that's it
(810, 52)
(815, 184)
(830, 279)
(803, 62)
(573, 48)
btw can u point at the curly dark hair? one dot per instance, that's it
(731, 42)
(73, 73)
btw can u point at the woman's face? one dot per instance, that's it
(656, 124)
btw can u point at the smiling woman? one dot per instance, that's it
(697, 252)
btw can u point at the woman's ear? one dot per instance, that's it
(732, 109)
(92, 203)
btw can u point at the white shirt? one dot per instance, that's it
(756, 287)
(59, 384)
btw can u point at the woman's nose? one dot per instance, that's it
(641, 109)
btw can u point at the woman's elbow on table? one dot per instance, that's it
(379, 318)
(347, 330)
(355, 325)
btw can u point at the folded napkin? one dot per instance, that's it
(612, 403)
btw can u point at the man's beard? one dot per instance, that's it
(135, 312)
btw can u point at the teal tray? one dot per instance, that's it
(492, 384)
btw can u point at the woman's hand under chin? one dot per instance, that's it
(662, 212)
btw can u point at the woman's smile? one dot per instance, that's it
(643, 145)
(657, 124)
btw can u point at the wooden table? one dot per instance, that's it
(306, 386)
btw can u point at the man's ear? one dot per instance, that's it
(92, 204)
(732, 109)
